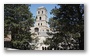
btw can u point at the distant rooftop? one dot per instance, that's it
(41, 7)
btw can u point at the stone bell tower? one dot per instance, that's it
(40, 28)
(41, 19)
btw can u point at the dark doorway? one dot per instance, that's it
(36, 29)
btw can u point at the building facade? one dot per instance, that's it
(41, 28)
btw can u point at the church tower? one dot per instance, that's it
(40, 28)
(41, 19)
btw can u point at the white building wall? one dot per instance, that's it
(42, 33)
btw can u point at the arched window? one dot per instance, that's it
(45, 48)
(38, 12)
(36, 29)
(42, 12)
(38, 23)
(41, 24)
(47, 30)
(40, 18)
(42, 48)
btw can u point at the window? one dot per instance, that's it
(47, 30)
(42, 12)
(40, 18)
(42, 48)
(38, 12)
(41, 23)
(36, 29)
(36, 17)
(38, 23)
(45, 48)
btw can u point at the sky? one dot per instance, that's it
(49, 7)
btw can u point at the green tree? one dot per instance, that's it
(68, 22)
(17, 22)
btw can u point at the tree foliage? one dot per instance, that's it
(68, 24)
(17, 22)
